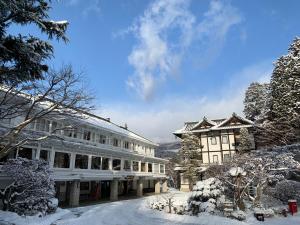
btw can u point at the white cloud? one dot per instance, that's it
(166, 31)
(88, 6)
(92, 7)
(158, 120)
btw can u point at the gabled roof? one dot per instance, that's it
(235, 121)
(205, 125)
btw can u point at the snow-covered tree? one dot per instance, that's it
(285, 190)
(207, 196)
(32, 190)
(274, 133)
(245, 140)
(284, 117)
(258, 169)
(60, 94)
(285, 85)
(191, 157)
(256, 101)
(23, 57)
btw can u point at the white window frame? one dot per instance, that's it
(226, 138)
(213, 140)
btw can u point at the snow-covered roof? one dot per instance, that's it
(106, 124)
(215, 124)
(87, 117)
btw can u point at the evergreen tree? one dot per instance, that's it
(275, 108)
(284, 116)
(256, 101)
(22, 57)
(245, 140)
(191, 157)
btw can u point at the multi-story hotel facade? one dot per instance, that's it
(218, 140)
(95, 160)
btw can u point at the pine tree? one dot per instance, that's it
(22, 57)
(275, 108)
(256, 101)
(191, 157)
(285, 95)
(245, 143)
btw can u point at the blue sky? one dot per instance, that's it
(156, 64)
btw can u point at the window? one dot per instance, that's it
(84, 186)
(62, 160)
(150, 167)
(215, 159)
(126, 165)
(43, 125)
(105, 163)
(143, 167)
(25, 153)
(126, 144)
(81, 161)
(116, 163)
(161, 168)
(156, 168)
(102, 139)
(56, 128)
(133, 146)
(224, 139)
(115, 142)
(135, 166)
(213, 140)
(45, 155)
(226, 157)
(87, 135)
(68, 133)
(93, 137)
(96, 163)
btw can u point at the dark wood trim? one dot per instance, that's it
(229, 144)
(208, 149)
(235, 149)
(221, 147)
(216, 151)
(201, 146)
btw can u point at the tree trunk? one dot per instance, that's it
(257, 198)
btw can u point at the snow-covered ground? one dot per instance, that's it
(133, 212)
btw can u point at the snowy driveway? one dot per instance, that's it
(131, 212)
(134, 212)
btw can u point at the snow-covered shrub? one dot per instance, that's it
(52, 205)
(267, 212)
(285, 190)
(32, 190)
(170, 204)
(238, 214)
(207, 196)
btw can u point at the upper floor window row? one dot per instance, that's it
(88, 135)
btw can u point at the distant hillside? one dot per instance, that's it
(167, 150)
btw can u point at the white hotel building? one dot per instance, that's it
(96, 160)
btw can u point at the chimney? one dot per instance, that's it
(108, 119)
(125, 126)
